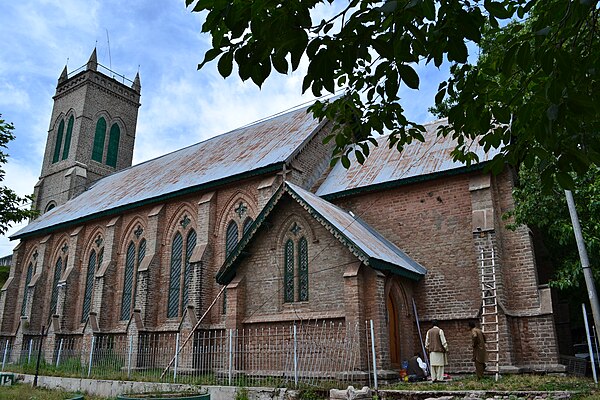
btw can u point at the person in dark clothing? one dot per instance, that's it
(417, 369)
(479, 351)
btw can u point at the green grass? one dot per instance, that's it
(26, 392)
(511, 383)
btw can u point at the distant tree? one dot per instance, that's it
(538, 98)
(13, 208)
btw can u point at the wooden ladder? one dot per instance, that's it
(489, 310)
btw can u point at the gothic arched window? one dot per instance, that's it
(295, 273)
(57, 273)
(180, 273)
(57, 145)
(99, 137)
(113, 145)
(288, 273)
(302, 269)
(94, 262)
(27, 281)
(68, 138)
(132, 263)
(231, 237)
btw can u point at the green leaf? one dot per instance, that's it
(497, 9)
(210, 55)
(345, 161)
(409, 76)
(457, 51)
(280, 64)
(225, 64)
(565, 180)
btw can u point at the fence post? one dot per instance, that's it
(176, 357)
(129, 356)
(60, 347)
(5, 353)
(91, 356)
(295, 356)
(29, 354)
(230, 354)
(374, 358)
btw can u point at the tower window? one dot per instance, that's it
(113, 145)
(57, 145)
(99, 137)
(68, 138)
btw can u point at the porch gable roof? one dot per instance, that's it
(361, 239)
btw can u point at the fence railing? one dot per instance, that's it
(316, 353)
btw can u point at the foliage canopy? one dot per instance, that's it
(10, 203)
(547, 212)
(537, 99)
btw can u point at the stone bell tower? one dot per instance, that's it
(91, 134)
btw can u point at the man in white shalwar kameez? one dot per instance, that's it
(435, 343)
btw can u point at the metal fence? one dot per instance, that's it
(316, 353)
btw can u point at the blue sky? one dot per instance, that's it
(161, 39)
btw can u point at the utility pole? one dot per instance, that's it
(585, 262)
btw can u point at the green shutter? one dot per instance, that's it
(189, 249)
(89, 286)
(224, 308)
(68, 138)
(288, 273)
(59, 135)
(231, 238)
(128, 282)
(175, 276)
(57, 274)
(113, 145)
(99, 137)
(27, 281)
(303, 269)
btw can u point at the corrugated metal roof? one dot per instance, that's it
(387, 165)
(243, 150)
(358, 232)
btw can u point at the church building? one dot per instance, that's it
(258, 218)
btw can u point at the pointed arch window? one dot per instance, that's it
(59, 137)
(302, 269)
(113, 145)
(295, 274)
(231, 237)
(180, 273)
(288, 273)
(132, 264)
(67, 146)
(99, 137)
(27, 281)
(57, 273)
(94, 262)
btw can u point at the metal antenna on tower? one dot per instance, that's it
(109, 58)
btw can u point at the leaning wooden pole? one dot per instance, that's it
(187, 339)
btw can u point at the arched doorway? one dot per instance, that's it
(394, 330)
